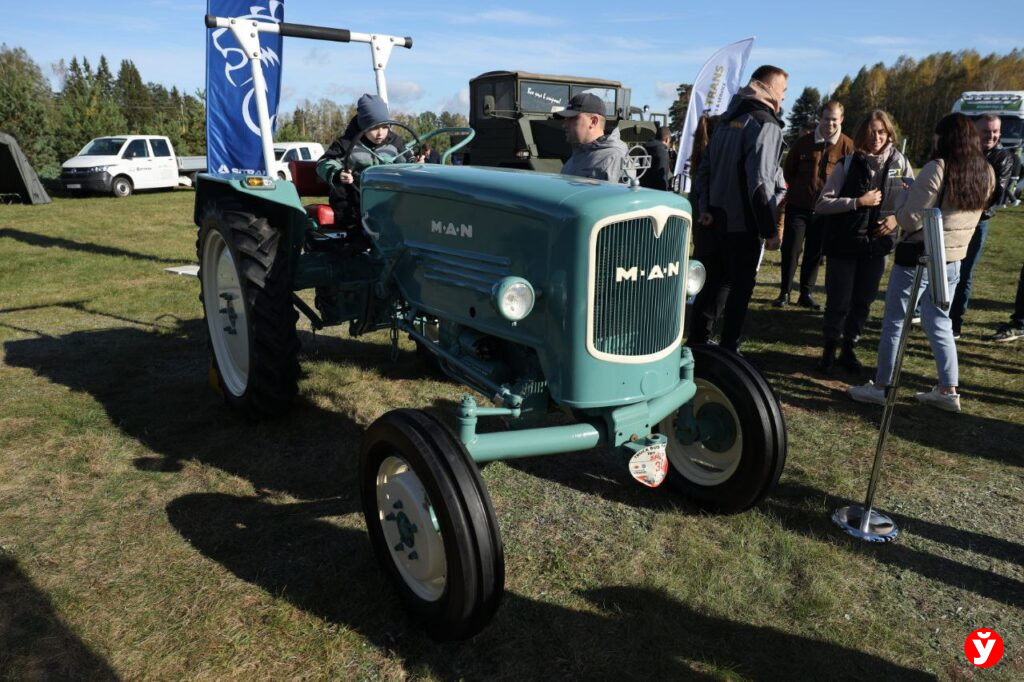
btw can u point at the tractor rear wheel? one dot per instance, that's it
(431, 523)
(742, 448)
(247, 301)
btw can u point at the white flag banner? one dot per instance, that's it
(717, 82)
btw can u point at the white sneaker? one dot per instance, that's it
(868, 393)
(950, 402)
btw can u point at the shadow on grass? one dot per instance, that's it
(47, 242)
(152, 383)
(34, 643)
(798, 508)
(998, 440)
(292, 551)
(153, 386)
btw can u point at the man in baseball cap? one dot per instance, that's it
(595, 154)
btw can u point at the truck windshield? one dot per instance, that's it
(542, 98)
(103, 146)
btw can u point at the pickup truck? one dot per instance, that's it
(294, 151)
(122, 164)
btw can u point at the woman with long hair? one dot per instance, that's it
(959, 181)
(857, 235)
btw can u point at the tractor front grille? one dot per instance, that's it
(638, 281)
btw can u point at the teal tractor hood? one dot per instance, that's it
(607, 262)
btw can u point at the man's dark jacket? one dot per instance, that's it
(659, 175)
(1001, 161)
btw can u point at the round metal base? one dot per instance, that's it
(880, 527)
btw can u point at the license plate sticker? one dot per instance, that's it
(649, 465)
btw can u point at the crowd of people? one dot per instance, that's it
(854, 203)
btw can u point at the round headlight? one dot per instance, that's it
(696, 275)
(514, 298)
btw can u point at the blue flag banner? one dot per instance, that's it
(232, 124)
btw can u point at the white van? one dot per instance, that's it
(121, 164)
(294, 151)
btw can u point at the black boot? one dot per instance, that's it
(782, 301)
(828, 355)
(848, 359)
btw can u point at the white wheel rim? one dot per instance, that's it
(410, 529)
(225, 313)
(695, 461)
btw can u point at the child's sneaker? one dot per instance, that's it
(950, 402)
(868, 393)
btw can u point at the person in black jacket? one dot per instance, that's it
(738, 188)
(858, 237)
(659, 175)
(989, 128)
(350, 154)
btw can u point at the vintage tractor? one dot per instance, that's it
(541, 292)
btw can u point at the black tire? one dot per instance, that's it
(121, 187)
(410, 452)
(257, 364)
(729, 475)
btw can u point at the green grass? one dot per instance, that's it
(148, 533)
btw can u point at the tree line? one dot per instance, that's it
(916, 93)
(51, 127)
(91, 102)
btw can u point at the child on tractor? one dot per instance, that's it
(367, 141)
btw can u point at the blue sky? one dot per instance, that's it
(650, 50)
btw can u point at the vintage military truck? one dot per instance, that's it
(541, 292)
(512, 113)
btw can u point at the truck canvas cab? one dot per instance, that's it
(512, 113)
(121, 164)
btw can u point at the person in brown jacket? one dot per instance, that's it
(807, 167)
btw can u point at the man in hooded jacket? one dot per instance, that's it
(595, 154)
(739, 187)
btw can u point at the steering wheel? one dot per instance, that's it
(416, 145)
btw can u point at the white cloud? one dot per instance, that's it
(316, 56)
(665, 90)
(886, 41)
(457, 103)
(404, 92)
(506, 16)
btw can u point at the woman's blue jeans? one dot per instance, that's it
(935, 321)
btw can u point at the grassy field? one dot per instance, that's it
(148, 533)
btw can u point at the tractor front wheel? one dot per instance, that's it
(247, 301)
(741, 450)
(431, 523)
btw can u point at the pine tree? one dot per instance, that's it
(132, 97)
(804, 110)
(677, 112)
(26, 108)
(82, 111)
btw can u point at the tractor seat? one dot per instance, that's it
(309, 184)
